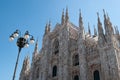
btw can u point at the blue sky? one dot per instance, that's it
(32, 15)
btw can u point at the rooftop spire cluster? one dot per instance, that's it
(107, 30)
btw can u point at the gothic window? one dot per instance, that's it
(76, 60)
(54, 72)
(96, 75)
(37, 73)
(56, 46)
(76, 77)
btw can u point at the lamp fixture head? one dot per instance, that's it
(16, 33)
(27, 35)
(32, 40)
(11, 38)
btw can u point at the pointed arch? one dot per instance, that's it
(75, 60)
(76, 77)
(96, 75)
(54, 72)
(37, 73)
(56, 46)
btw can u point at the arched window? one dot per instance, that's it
(54, 72)
(76, 77)
(96, 75)
(76, 60)
(56, 46)
(37, 73)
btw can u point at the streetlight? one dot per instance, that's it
(22, 41)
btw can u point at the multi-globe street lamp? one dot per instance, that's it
(22, 41)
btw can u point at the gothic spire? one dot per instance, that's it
(66, 16)
(35, 50)
(25, 68)
(36, 47)
(107, 24)
(89, 29)
(110, 25)
(81, 27)
(26, 64)
(80, 20)
(63, 18)
(100, 29)
(47, 27)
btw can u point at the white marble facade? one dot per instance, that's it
(70, 53)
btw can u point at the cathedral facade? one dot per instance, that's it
(70, 53)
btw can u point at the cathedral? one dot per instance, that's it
(70, 53)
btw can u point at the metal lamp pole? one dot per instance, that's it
(21, 42)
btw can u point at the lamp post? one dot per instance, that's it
(22, 41)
